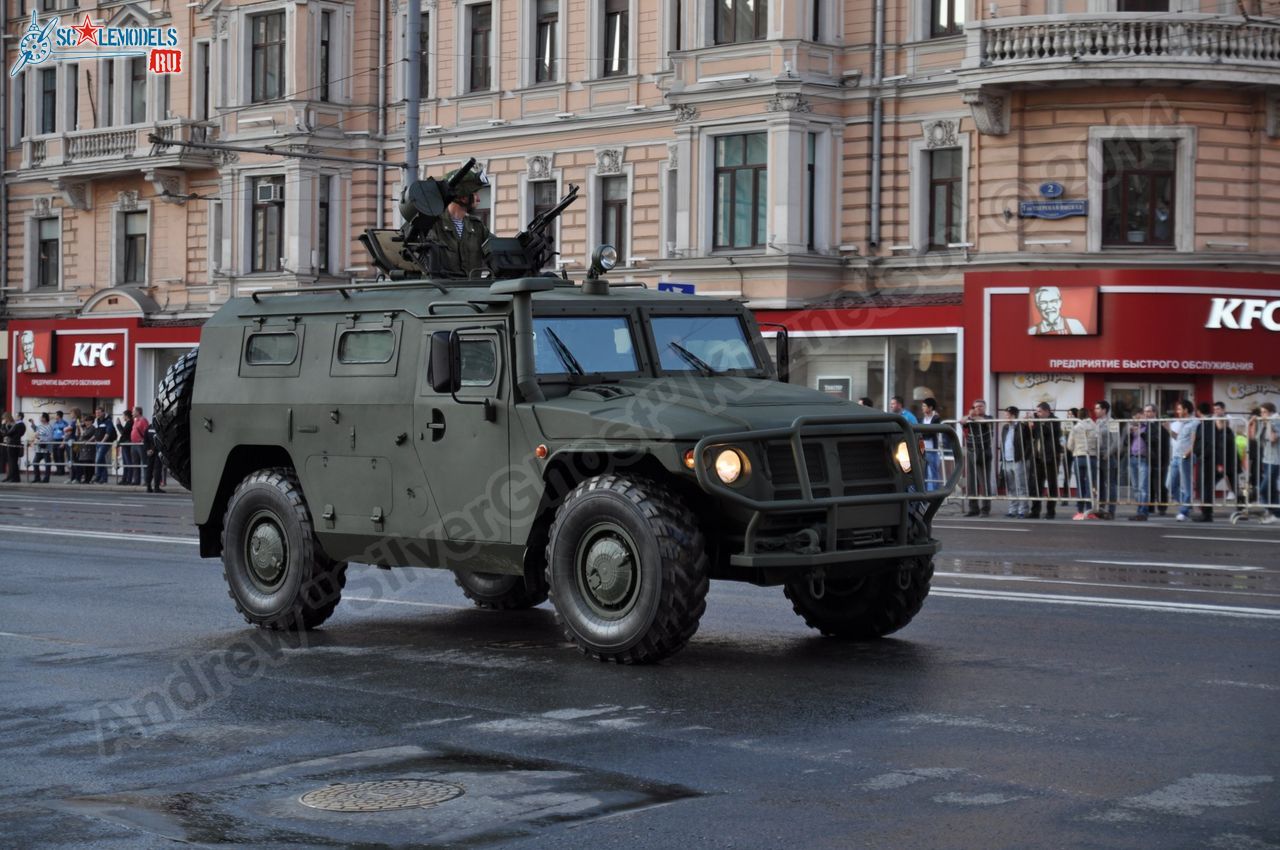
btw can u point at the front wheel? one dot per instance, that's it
(276, 572)
(501, 592)
(863, 608)
(627, 569)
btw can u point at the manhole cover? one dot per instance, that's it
(383, 796)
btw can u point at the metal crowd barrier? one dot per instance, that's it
(83, 461)
(1043, 467)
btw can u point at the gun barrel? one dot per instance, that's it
(460, 173)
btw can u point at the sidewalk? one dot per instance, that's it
(61, 484)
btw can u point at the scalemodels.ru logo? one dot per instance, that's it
(50, 41)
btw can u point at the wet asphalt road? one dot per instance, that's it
(1099, 685)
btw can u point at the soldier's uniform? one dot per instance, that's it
(460, 255)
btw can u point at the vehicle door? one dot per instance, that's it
(462, 441)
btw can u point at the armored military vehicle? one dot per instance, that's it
(609, 447)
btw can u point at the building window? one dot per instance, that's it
(741, 20)
(424, 53)
(613, 214)
(202, 80)
(741, 179)
(543, 196)
(268, 57)
(1142, 5)
(617, 25)
(545, 63)
(48, 235)
(811, 188)
(323, 264)
(73, 90)
(480, 28)
(134, 269)
(166, 89)
(19, 124)
(326, 31)
(945, 212)
(484, 207)
(137, 90)
(1138, 187)
(109, 93)
(816, 32)
(268, 223)
(48, 100)
(946, 17)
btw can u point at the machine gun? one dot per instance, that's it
(408, 252)
(528, 252)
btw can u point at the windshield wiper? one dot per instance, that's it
(693, 360)
(562, 351)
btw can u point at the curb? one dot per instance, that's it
(174, 490)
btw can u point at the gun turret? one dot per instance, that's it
(529, 251)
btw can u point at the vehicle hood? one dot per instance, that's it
(680, 408)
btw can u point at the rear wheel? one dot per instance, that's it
(501, 592)
(627, 569)
(863, 608)
(276, 572)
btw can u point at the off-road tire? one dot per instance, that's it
(172, 417)
(501, 592)
(864, 608)
(662, 593)
(310, 584)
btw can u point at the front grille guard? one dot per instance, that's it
(832, 426)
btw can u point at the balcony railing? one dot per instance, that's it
(1082, 48)
(116, 149)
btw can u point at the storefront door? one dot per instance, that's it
(1129, 398)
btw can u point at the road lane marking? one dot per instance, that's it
(1072, 583)
(43, 499)
(1226, 539)
(1103, 602)
(983, 528)
(99, 535)
(1171, 565)
(407, 602)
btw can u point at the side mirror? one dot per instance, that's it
(782, 351)
(444, 370)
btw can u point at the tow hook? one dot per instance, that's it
(818, 585)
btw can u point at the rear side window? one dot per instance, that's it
(366, 347)
(271, 349)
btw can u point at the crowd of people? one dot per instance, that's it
(1169, 463)
(84, 448)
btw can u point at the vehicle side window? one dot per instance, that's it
(479, 362)
(366, 347)
(271, 349)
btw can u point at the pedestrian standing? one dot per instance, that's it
(1182, 456)
(1082, 443)
(59, 436)
(1139, 434)
(896, 406)
(1110, 447)
(979, 437)
(87, 449)
(12, 430)
(44, 450)
(932, 445)
(124, 451)
(1269, 439)
(1046, 454)
(104, 434)
(1014, 439)
(155, 463)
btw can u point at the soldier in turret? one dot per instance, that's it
(459, 234)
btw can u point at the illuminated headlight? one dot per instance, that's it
(729, 465)
(903, 456)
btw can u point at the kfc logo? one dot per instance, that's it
(1238, 314)
(90, 354)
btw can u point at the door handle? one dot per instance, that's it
(436, 425)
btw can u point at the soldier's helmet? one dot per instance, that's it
(473, 183)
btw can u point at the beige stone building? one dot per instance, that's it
(883, 176)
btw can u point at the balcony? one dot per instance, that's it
(1119, 47)
(85, 154)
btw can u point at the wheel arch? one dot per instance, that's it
(241, 462)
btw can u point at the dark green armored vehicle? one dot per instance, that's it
(608, 447)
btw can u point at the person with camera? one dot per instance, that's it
(979, 440)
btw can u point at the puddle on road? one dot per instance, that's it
(1123, 575)
(505, 798)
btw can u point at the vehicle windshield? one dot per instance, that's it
(708, 345)
(583, 345)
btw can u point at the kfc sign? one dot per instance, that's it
(92, 354)
(1238, 314)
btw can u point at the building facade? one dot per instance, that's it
(884, 176)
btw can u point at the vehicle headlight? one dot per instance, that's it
(729, 465)
(903, 456)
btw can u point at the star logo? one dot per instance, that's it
(88, 31)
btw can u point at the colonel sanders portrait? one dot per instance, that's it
(30, 362)
(1048, 301)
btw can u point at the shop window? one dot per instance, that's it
(741, 179)
(1139, 191)
(741, 20)
(613, 214)
(617, 26)
(268, 223)
(480, 31)
(267, 57)
(945, 211)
